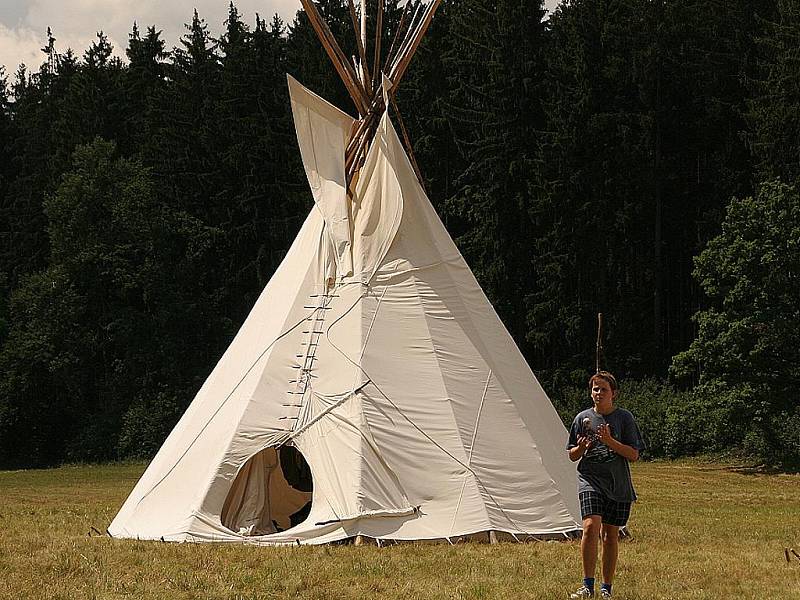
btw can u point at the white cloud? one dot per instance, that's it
(17, 46)
(75, 23)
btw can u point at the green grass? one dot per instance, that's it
(700, 531)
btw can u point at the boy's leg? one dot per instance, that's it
(591, 533)
(610, 537)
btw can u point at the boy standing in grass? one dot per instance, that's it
(605, 439)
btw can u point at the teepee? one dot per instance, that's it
(372, 390)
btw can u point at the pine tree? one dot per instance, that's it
(92, 102)
(36, 161)
(774, 111)
(643, 148)
(143, 80)
(7, 134)
(495, 113)
(182, 145)
(423, 102)
(261, 186)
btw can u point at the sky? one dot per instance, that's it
(24, 23)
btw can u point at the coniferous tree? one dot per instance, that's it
(261, 184)
(95, 334)
(7, 134)
(92, 102)
(643, 148)
(494, 111)
(705, 57)
(422, 100)
(143, 79)
(592, 182)
(774, 110)
(181, 149)
(36, 161)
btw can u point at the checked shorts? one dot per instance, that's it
(612, 512)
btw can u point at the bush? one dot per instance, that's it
(119, 300)
(147, 423)
(673, 423)
(747, 351)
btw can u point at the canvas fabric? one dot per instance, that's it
(375, 353)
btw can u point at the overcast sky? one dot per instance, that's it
(24, 23)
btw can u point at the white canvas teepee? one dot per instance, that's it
(375, 354)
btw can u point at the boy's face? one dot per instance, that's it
(602, 395)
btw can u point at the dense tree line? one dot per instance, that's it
(609, 157)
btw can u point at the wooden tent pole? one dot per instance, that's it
(339, 60)
(362, 53)
(397, 33)
(407, 141)
(364, 25)
(353, 161)
(376, 62)
(366, 89)
(408, 36)
(362, 125)
(397, 75)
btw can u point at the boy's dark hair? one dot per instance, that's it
(605, 376)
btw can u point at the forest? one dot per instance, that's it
(638, 158)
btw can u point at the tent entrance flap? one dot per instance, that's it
(271, 493)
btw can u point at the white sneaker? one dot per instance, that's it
(581, 592)
(605, 594)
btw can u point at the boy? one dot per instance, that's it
(605, 439)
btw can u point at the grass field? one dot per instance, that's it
(700, 531)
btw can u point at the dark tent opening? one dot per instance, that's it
(271, 493)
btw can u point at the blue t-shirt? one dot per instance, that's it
(601, 469)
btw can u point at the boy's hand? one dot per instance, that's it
(584, 442)
(604, 433)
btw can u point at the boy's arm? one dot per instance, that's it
(576, 444)
(577, 452)
(629, 452)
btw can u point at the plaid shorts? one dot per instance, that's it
(612, 512)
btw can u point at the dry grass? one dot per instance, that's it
(701, 531)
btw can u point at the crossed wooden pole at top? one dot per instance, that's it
(365, 88)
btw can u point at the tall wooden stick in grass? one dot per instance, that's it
(599, 349)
